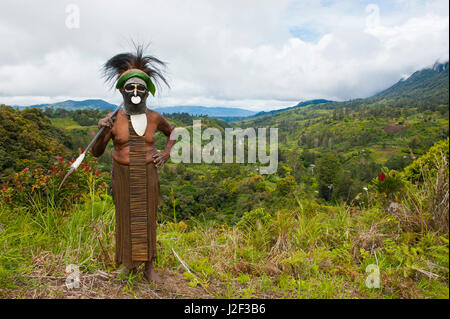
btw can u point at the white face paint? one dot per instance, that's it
(136, 99)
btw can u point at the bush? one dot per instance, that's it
(286, 185)
(388, 182)
(39, 187)
(428, 161)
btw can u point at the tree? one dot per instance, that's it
(286, 185)
(308, 157)
(328, 171)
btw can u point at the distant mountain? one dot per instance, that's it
(424, 90)
(430, 83)
(216, 112)
(225, 112)
(71, 105)
(301, 104)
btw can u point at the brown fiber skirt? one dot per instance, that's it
(121, 195)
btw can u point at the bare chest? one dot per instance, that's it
(121, 130)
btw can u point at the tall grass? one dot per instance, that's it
(83, 236)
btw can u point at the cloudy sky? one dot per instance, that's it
(254, 54)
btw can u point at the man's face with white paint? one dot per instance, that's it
(134, 94)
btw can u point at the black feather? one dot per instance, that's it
(122, 62)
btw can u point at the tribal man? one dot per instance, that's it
(135, 158)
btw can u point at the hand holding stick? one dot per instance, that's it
(80, 158)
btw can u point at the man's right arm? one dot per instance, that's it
(100, 145)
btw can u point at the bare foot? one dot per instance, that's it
(151, 275)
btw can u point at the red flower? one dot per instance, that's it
(381, 177)
(103, 185)
(81, 150)
(26, 169)
(72, 160)
(97, 173)
(393, 174)
(60, 159)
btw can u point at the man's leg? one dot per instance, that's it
(150, 273)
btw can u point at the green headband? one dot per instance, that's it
(141, 75)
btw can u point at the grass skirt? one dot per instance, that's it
(123, 233)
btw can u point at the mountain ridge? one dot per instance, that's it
(415, 85)
(71, 105)
(100, 104)
(215, 111)
(418, 82)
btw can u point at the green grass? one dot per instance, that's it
(68, 123)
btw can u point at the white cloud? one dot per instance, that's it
(221, 53)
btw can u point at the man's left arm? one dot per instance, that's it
(165, 127)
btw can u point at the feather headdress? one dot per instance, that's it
(124, 66)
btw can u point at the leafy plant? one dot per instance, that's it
(388, 182)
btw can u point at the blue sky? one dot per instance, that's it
(254, 54)
(304, 33)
